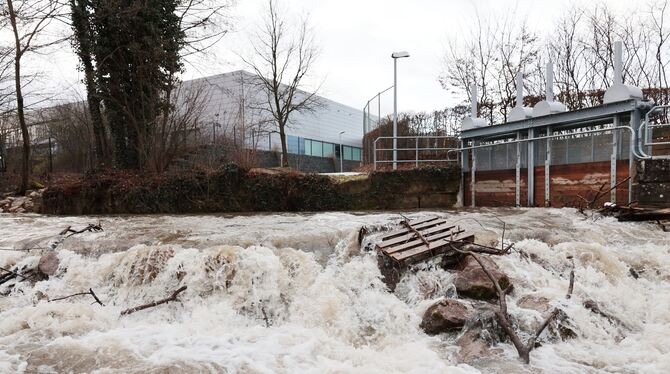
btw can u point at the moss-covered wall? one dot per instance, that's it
(232, 189)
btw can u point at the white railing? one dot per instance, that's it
(418, 151)
(645, 134)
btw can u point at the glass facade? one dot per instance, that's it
(318, 148)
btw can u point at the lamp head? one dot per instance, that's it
(401, 54)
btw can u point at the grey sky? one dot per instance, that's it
(356, 38)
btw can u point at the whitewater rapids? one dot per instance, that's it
(291, 293)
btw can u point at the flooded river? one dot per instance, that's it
(295, 294)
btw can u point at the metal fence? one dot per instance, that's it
(414, 150)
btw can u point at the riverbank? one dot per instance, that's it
(234, 189)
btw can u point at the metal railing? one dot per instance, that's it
(645, 134)
(418, 150)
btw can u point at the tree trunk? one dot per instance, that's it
(81, 24)
(284, 149)
(25, 162)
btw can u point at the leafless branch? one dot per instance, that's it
(523, 349)
(89, 292)
(172, 297)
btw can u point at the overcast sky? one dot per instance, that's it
(356, 38)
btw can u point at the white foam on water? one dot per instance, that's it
(294, 293)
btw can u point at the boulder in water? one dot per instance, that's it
(472, 347)
(444, 316)
(49, 263)
(471, 281)
(536, 303)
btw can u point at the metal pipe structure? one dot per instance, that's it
(645, 137)
(396, 56)
(558, 136)
(366, 118)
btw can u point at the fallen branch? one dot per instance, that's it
(600, 194)
(90, 292)
(595, 308)
(172, 297)
(10, 275)
(90, 228)
(483, 249)
(68, 230)
(503, 317)
(406, 224)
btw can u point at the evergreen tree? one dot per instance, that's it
(135, 45)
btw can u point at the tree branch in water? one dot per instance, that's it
(172, 297)
(90, 292)
(503, 317)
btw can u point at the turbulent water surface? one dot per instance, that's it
(294, 293)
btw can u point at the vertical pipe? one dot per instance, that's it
(472, 172)
(550, 82)
(519, 89)
(613, 158)
(473, 100)
(618, 63)
(464, 161)
(547, 170)
(416, 143)
(517, 186)
(530, 160)
(395, 113)
(632, 170)
(374, 154)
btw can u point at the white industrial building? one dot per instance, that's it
(235, 108)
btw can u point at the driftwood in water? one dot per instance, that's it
(523, 349)
(629, 213)
(90, 292)
(172, 297)
(68, 232)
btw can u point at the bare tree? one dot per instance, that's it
(282, 59)
(581, 47)
(28, 20)
(490, 57)
(177, 129)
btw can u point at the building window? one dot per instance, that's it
(295, 144)
(308, 147)
(357, 154)
(317, 148)
(328, 149)
(347, 153)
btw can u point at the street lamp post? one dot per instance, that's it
(396, 56)
(341, 153)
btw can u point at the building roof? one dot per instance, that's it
(600, 114)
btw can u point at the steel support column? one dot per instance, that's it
(473, 169)
(464, 167)
(632, 172)
(530, 161)
(613, 158)
(547, 167)
(517, 190)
